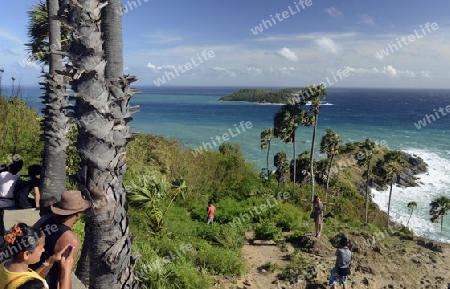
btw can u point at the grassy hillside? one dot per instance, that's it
(176, 184)
(244, 202)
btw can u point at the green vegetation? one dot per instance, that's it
(19, 132)
(263, 95)
(168, 189)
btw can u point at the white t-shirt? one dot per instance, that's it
(7, 184)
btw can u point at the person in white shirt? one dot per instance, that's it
(8, 182)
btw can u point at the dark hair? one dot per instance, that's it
(3, 167)
(344, 242)
(34, 170)
(15, 167)
(316, 197)
(63, 218)
(27, 241)
(33, 283)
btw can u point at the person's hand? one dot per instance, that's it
(67, 262)
(59, 255)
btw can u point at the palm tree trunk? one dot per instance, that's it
(442, 224)
(328, 180)
(55, 122)
(295, 159)
(82, 270)
(389, 207)
(102, 147)
(267, 159)
(367, 193)
(311, 156)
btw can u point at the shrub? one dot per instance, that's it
(219, 260)
(267, 230)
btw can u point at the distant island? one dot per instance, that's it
(263, 95)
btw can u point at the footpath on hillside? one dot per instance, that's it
(384, 263)
(29, 217)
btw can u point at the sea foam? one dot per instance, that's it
(434, 183)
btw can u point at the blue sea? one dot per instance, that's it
(413, 120)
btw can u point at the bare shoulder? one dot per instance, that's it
(67, 238)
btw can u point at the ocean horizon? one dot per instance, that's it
(416, 121)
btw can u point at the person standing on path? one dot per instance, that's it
(317, 213)
(211, 210)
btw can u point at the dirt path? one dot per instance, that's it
(258, 253)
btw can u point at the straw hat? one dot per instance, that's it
(71, 202)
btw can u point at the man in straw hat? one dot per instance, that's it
(57, 228)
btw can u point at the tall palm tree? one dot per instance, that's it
(102, 110)
(44, 31)
(329, 145)
(286, 121)
(365, 160)
(266, 138)
(393, 167)
(315, 95)
(411, 206)
(281, 163)
(438, 209)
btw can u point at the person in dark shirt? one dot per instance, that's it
(341, 269)
(57, 228)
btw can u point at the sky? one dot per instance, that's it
(282, 43)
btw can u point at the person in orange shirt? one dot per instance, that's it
(211, 210)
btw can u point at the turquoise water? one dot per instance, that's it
(390, 116)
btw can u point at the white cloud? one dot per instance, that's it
(305, 37)
(425, 74)
(327, 44)
(257, 70)
(154, 67)
(224, 70)
(388, 70)
(367, 20)
(288, 54)
(333, 11)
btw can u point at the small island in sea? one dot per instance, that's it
(263, 95)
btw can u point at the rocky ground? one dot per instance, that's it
(379, 261)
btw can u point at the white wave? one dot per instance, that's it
(434, 183)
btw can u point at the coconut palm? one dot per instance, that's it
(411, 206)
(44, 31)
(329, 145)
(266, 138)
(281, 163)
(438, 209)
(365, 159)
(286, 121)
(394, 162)
(102, 112)
(315, 95)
